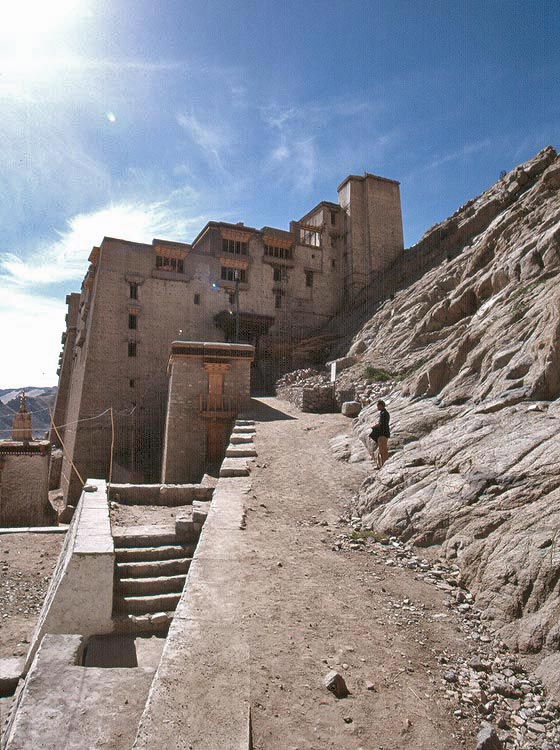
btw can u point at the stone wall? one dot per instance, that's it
(24, 484)
(208, 384)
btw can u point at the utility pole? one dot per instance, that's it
(236, 277)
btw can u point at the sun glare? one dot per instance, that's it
(28, 26)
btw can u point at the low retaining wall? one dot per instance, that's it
(80, 595)
(200, 695)
(316, 398)
(159, 494)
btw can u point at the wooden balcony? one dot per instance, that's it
(214, 406)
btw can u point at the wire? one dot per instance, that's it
(63, 448)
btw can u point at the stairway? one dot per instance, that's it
(150, 572)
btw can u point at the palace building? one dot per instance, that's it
(267, 287)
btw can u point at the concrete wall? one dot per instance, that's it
(80, 595)
(24, 485)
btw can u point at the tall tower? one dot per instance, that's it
(373, 233)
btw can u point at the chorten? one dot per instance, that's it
(21, 426)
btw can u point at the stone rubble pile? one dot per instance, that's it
(491, 686)
(308, 390)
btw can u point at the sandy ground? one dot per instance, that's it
(27, 562)
(315, 608)
(147, 515)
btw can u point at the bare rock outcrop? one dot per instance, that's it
(486, 487)
(486, 322)
(473, 341)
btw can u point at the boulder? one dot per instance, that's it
(351, 408)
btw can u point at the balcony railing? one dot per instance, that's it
(218, 405)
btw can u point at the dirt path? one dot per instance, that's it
(314, 608)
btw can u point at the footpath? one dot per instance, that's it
(314, 603)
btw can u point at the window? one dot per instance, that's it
(232, 299)
(309, 278)
(234, 247)
(333, 218)
(228, 274)
(277, 274)
(278, 301)
(175, 265)
(132, 321)
(333, 263)
(132, 348)
(133, 290)
(278, 252)
(310, 237)
(132, 383)
(197, 299)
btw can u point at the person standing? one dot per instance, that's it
(381, 433)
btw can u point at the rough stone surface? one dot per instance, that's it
(351, 408)
(468, 333)
(488, 739)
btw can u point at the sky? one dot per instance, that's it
(142, 119)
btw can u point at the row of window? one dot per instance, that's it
(234, 247)
(233, 274)
(175, 265)
(278, 252)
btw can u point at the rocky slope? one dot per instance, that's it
(470, 334)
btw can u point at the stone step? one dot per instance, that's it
(244, 423)
(142, 605)
(234, 467)
(153, 568)
(144, 536)
(150, 553)
(156, 623)
(243, 430)
(240, 439)
(241, 451)
(147, 586)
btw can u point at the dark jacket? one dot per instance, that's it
(381, 429)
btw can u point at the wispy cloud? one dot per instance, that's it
(66, 258)
(212, 139)
(466, 150)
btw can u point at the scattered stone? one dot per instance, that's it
(336, 684)
(487, 739)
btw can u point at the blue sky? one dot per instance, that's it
(140, 119)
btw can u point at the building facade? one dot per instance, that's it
(267, 287)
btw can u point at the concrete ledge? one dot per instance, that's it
(34, 530)
(80, 596)
(201, 692)
(65, 705)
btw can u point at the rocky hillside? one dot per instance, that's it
(470, 337)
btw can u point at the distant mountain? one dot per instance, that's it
(38, 402)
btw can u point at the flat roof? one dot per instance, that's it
(365, 177)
